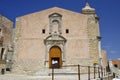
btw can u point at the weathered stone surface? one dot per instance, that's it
(6, 38)
(31, 53)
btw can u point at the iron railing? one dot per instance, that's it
(92, 72)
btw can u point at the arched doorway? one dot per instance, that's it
(55, 57)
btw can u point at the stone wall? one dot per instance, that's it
(6, 26)
(81, 46)
(93, 32)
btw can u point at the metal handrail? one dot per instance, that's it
(96, 70)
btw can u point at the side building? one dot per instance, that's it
(6, 39)
(116, 63)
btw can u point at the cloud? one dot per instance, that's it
(107, 46)
(113, 51)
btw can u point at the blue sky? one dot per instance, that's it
(107, 10)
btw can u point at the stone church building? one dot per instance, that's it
(54, 38)
(6, 49)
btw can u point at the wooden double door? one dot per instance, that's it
(55, 57)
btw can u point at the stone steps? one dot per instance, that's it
(47, 72)
(56, 77)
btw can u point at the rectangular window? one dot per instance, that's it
(2, 51)
(67, 30)
(0, 32)
(43, 31)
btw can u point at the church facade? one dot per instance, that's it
(56, 37)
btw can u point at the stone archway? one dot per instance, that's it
(55, 43)
(55, 57)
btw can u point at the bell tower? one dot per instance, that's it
(93, 31)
